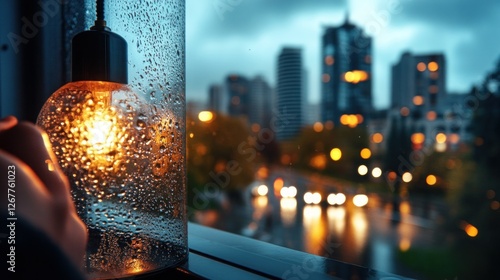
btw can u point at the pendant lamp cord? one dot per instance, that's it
(100, 23)
(100, 9)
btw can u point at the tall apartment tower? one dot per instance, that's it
(418, 85)
(346, 72)
(290, 92)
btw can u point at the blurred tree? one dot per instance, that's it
(396, 155)
(475, 199)
(268, 147)
(221, 156)
(311, 151)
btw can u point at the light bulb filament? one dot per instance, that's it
(101, 136)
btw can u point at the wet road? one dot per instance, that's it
(369, 236)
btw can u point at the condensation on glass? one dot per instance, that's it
(123, 146)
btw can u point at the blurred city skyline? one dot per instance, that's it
(245, 37)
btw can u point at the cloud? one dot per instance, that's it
(474, 58)
(450, 14)
(247, 38)
(250, 17)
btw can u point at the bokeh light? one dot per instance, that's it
(336, 199)
(288, 192)
(335, 154)
(316, 198)
(377, 138)
(431, 180)
(362, 170)
(418, 100)
(407, 177)
(441, 137)
(392, 176)
(205, 116)
(340, 198)
(404, 111)
(355, 76)
(471, 230)
(329, 60)
(431, 116)
(433, 66)
(454, 138)
(331, 199)
(365, 153)
(262, 190)
(360, 200)
(318, 127)
(308, 198)
(417, 138)
(376, 172)
(318, 161)
(421, 67)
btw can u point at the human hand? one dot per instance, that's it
(41, 189)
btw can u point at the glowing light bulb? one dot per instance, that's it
(91, 127)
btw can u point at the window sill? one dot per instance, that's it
(215, 254)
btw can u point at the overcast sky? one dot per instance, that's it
(245, 37)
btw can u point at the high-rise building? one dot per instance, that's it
(419, 85)
(215, 98)
(403, 82)
(261, 101)
(346, 72)
(290, 92)
(238, 92)
(418, 93)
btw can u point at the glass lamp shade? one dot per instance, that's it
(123, 158)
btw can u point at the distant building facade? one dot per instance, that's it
(216, 98)
(419, 85)
(346, 72)
(311, 113)
(237, 90)
(261, 101)
(420, 96)
(290, 92)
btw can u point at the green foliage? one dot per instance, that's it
(475, 190)
(431, 263)
(471, 179)
(222, 146)
(398, 145)
(471, 201)
(439, 164)
(310, 144)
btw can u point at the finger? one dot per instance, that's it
(7, 122)
(30, 144)
(30, 198)
(75, 239)
(34, 204)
